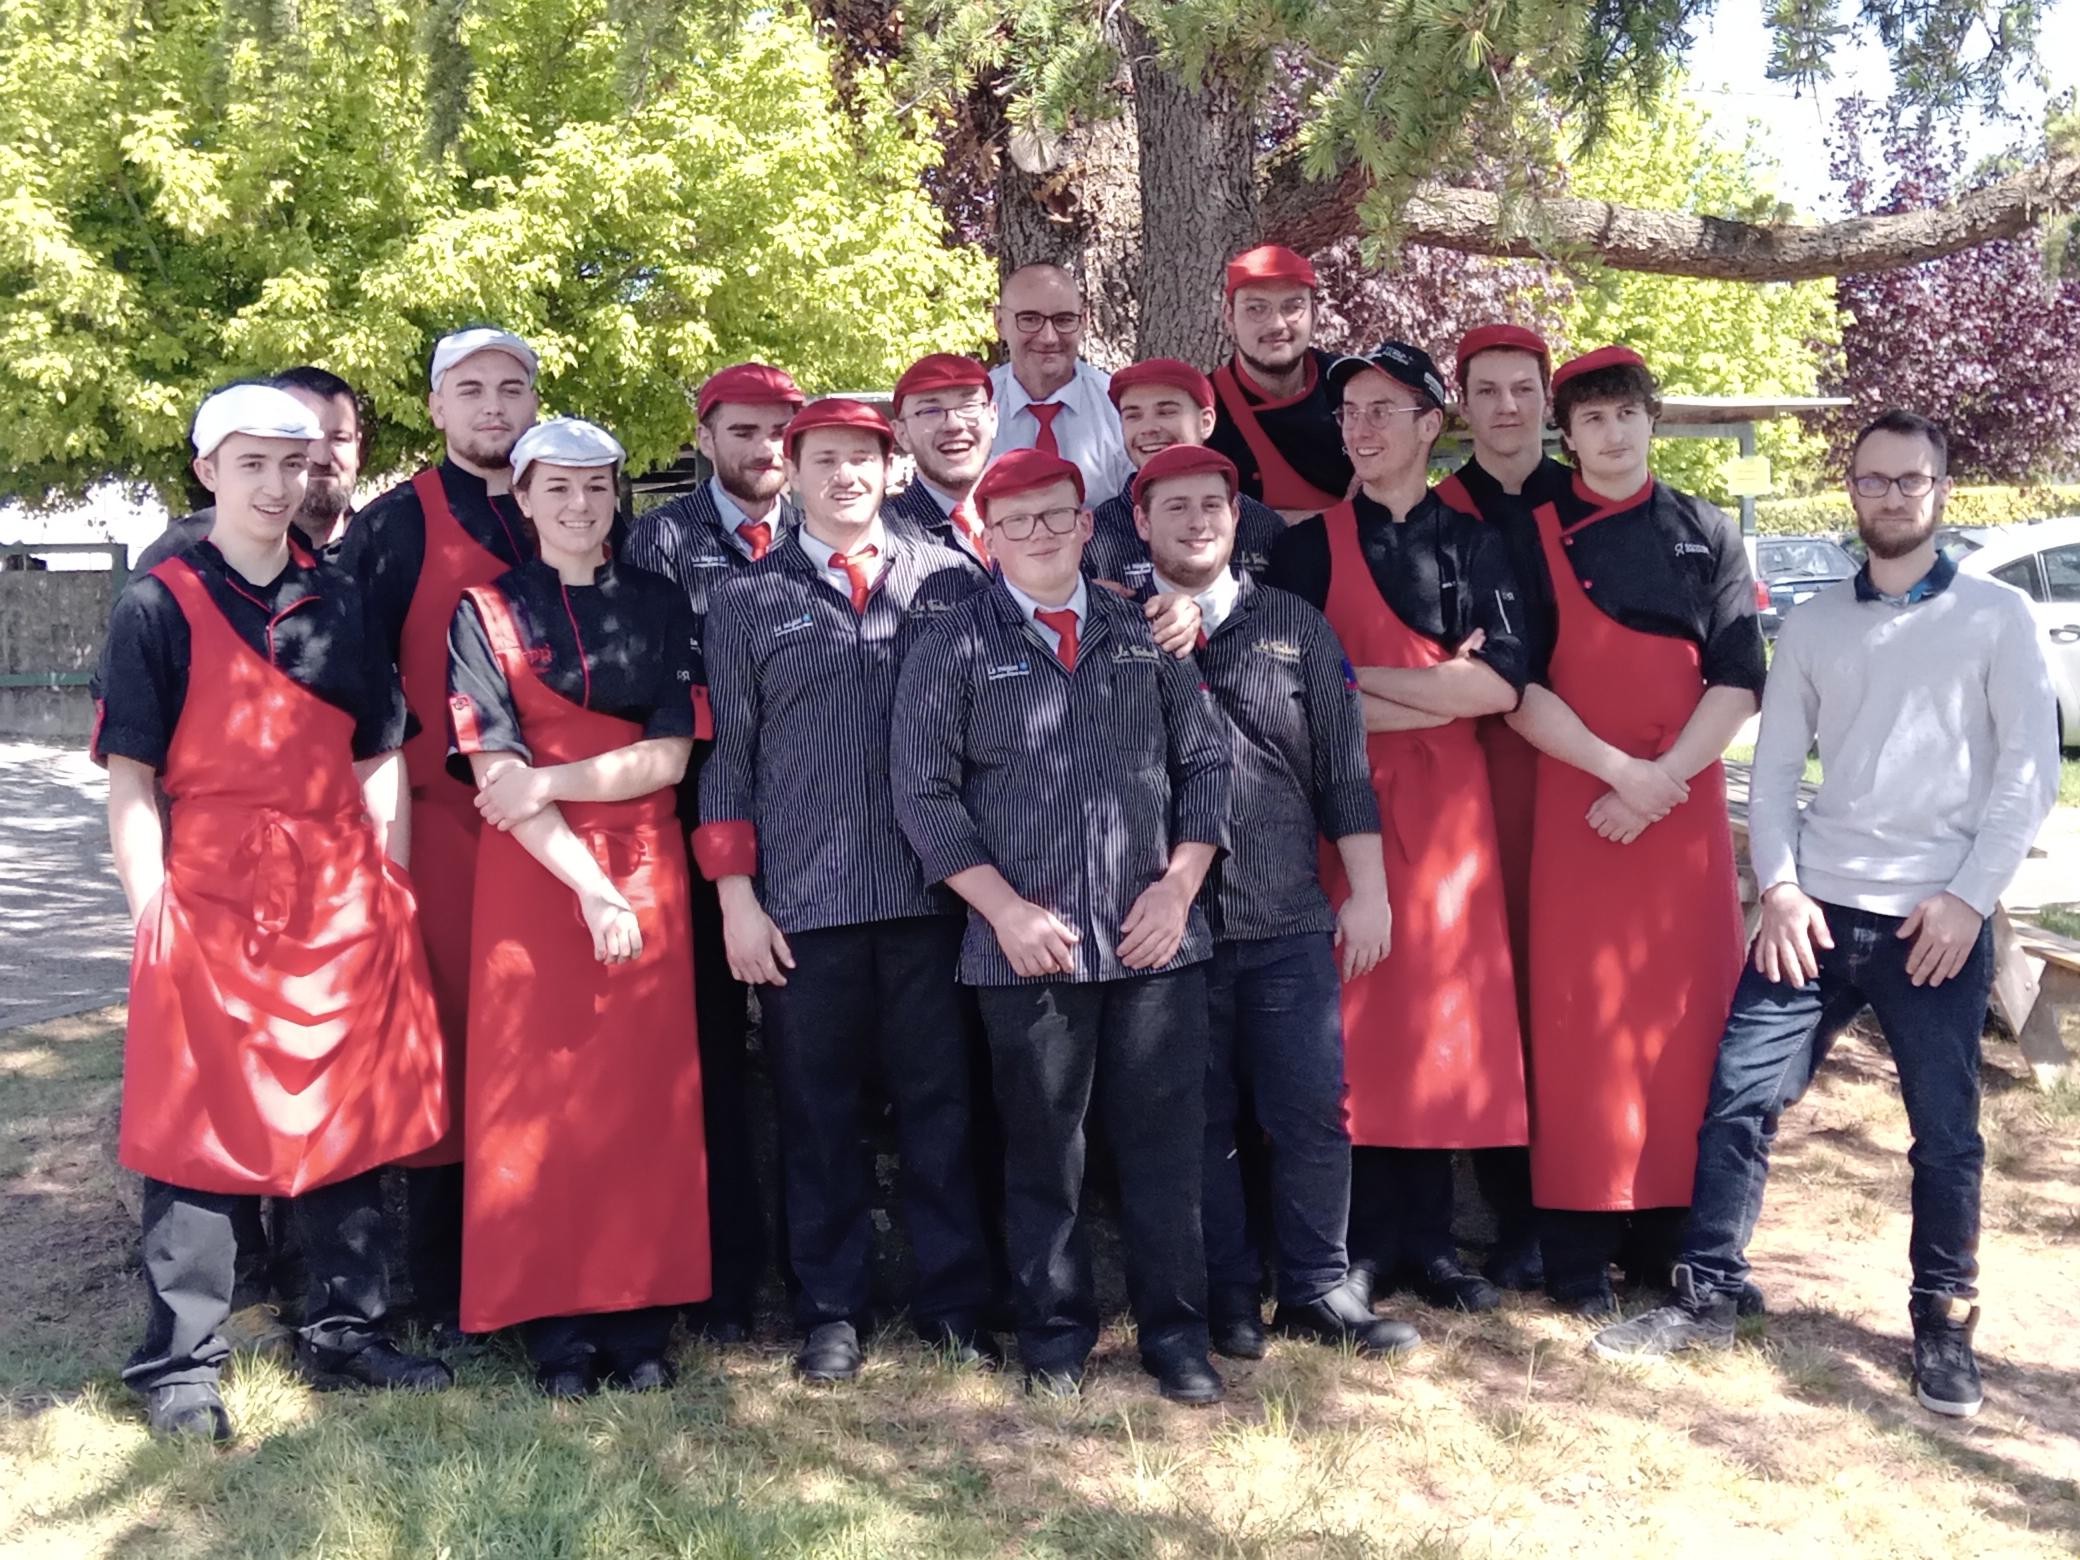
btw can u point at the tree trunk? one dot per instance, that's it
(1197, 148)
(1311, 216)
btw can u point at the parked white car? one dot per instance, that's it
(2041, 558)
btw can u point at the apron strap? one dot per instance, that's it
(1284, 488)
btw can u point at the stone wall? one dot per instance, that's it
(50, 621)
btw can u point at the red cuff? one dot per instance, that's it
(463, 715)
(727, 849)
(703, 716)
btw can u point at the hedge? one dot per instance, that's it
(1968, 506)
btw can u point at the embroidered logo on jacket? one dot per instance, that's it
(1005, 669)
(539, 657)
(1278, 649)
(1122, 654)
(795, 625)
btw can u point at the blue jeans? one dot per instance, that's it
(1775, 1041)
(1276, 1031)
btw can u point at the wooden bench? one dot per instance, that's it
(2036, 973)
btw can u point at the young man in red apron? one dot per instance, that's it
(1275, 419)
(1636, 934)
(282, 1039)
(414, 551)
(1425, 604)
(824, 904)
(575, 694)
(1164, 403)
(699, 540)
(1504, 371)
(1299, 774)
(944, 416)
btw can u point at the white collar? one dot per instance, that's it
(1216, 601)
(733, 514)
(946, 501)
(1015, 398)
(821, 552)
(1079, 603)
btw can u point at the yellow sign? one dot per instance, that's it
(1747, 476)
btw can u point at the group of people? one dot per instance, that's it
(1168, 761)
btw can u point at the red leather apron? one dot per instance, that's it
(585, 1187)
(1635, 949)
(1284, 488)
(282, 1031)
(444, 811)
(1432, 1052)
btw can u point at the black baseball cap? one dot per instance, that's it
(1399, 361)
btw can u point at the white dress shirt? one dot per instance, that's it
(821, 552)
(733, 515)
(1078, 603)
(1216, 601)
(1086, 430)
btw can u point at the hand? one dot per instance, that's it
(756, 949)
(1174, 622)
(1945, 930)
(616, 938)
(1792, 926)
(1648, 789)
(1154, 929)
(1035, 940)
(1470, 645)
(1364, 932)
(1613, 820)
(513, 793)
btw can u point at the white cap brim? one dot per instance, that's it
(260, 410)
(453, 348)
(566, 441)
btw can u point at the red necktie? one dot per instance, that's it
(969, 524)
(1047, 412)
(758, 535)
(1063, 621)
(854, 567)
(1200, 642)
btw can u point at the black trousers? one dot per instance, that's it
(617, 1339)
(861, 1002)
(1504, 1177)
(190, 1251)
(270, 1261)
(736, 1202)
(1401, 1210)
(433, 1241)
(1137, 1050)
(1580, 1247)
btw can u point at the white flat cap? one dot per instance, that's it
(566, 441)
(457, 345)
(261, 410)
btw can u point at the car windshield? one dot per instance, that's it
(1813, 558)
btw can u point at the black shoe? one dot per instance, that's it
(1518, 1265)
(1695, 1319)
(1238, 1335)
(1749, 1302)
(1946, 1372)
(188, 1409)
(830, 1353)
(648, 1375)
(565, 1381)
(963, 1344)
(1340, 1318)
(1186, 1378)
(1054, 1384)
(1449, 1287)
(381, 1364)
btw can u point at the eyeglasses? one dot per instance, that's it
(933, 418)
(1378, 414)
(1059, 521)
(1030, 320)
(1915, 484)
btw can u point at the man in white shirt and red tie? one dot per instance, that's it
(944, 415)
(1048, 398)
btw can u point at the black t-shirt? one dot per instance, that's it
(1672, 565)
(1443, 572)
(308, 623)
(624, 645)
(386, 545)
(1304, 430)
(1511, 514)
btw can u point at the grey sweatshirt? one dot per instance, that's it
(1938, 745)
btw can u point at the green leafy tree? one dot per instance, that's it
(197, 190)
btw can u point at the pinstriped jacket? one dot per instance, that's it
(686, 541)
(1075, 785)
(1116, 551)
(917, 513)
(801, 690)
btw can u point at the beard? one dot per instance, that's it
(749, 484)
(488, 451)
(1270, 361)
(323, 504)
(1890, 539)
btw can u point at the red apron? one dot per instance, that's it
(444, 810)
(1284, 488)
(585, 1187)
(1432, 1053)
(1636, 949)
(282, 1032)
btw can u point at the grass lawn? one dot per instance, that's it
(1500, 1438)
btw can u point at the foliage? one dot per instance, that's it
(1982, 341)
(200, 191)
(1968, 506)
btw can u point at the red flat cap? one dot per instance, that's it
(1174, 372)
(748, 384)
(1269, 263)
(941, 371)
(1183, 460)
(1020, 471)
(837, 412)
(1589, 362)
(1502, 338)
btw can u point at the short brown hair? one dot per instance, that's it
(1624, 382)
